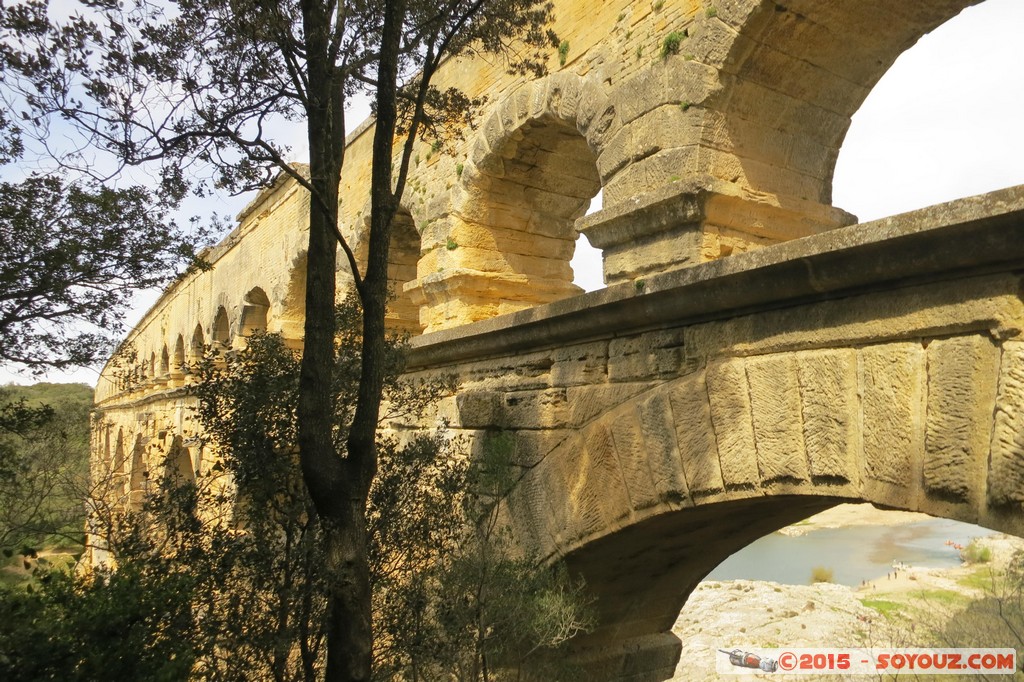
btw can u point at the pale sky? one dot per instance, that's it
(946, 121)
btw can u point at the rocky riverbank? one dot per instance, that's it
(743, 613)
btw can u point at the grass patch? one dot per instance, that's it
(981, 579)
(563, 52)
(670, 45)
(887, 608)
(945, 597)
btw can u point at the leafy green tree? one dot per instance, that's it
(201, 82)
(44, 464)
(221, 576)
(72, 253)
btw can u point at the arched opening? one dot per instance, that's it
(198, 346)
(403, 254)
(117, 465)
(255, 310)
(587, 262)
(179, 363)
(292, 313)
(221, 333)
(516, 225)
(803, 70)
(179, 463)
(853, 573)
(165, 364)
(139, 476)
(942, 123)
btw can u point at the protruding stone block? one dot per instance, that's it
(733, 422)
(778, 430)
(892, 385)
(828, 391)
(1006, 472)
(695, 435)
(961, 399)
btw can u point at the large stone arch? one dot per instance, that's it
(646, 460)
(293, 307)
(734, 136)
(644, 499)
(403, 314)
(255, 313)
(793, 79)
(507, 239)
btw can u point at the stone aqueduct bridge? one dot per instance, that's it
(725, 383)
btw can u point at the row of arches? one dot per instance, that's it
(171, 364)
(133, 461)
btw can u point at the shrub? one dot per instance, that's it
(976, 553)
(820, 574)
(670, 45)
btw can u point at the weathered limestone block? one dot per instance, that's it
(733, 422)
(560, 471)
(961, 400)
(1006, 471)
(633, 459)
(778, 428)
(671, 81)
(662, 450)
(479, 410)
(530, 507)
(657, 170)
(666, 127)
(585, 364)
(589, 402)
(695, 435)
(831, 411)
(597, 488)
(892, 385)
(525, 448)
(655, 355)
(543, 409)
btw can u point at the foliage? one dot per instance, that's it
(821, 574)
(44, 463)
(976, 553)
(670, 45)
(222, 576)
(130, 624)
(479, 610)
(72, 254)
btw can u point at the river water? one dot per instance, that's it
(854, 553)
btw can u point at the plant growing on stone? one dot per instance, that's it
(670, 45)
